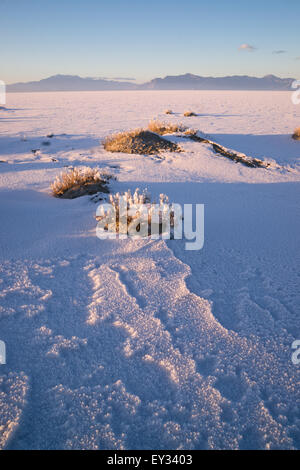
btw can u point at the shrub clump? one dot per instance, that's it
(163, 128)
(133, 214)
(80, 182)
(191, 132)
(139, 141)
(296, 134)
(189, 114)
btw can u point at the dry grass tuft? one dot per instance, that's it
(189, 114)
(139, 141)
(163, 128)
(296, 134)
(80, 182)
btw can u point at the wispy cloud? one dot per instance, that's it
(113, 78)
(247, 47)
(280, 51)
(122, 78)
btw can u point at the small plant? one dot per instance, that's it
(296, 134)
(191, 132)
(168, 111)
(79, 182)
(189, 114)
(133, 214)
(163, 128)
(139, 141)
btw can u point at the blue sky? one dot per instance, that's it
(147, 39)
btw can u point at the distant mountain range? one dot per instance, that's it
(178, 82)
(70, 83)
(236, 82)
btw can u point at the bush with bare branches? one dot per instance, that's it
(135, 214)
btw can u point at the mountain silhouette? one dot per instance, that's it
(187, 81)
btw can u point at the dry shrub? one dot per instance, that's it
(162, 128)
(132, 214)
(189, 114)
(191, 132)
(168, 111)
(296, 134)
(79, 182)
(139, 141)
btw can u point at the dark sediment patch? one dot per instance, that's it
(248, 161)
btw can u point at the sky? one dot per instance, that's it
(147, 39)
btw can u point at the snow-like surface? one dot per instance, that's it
(141, 344)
